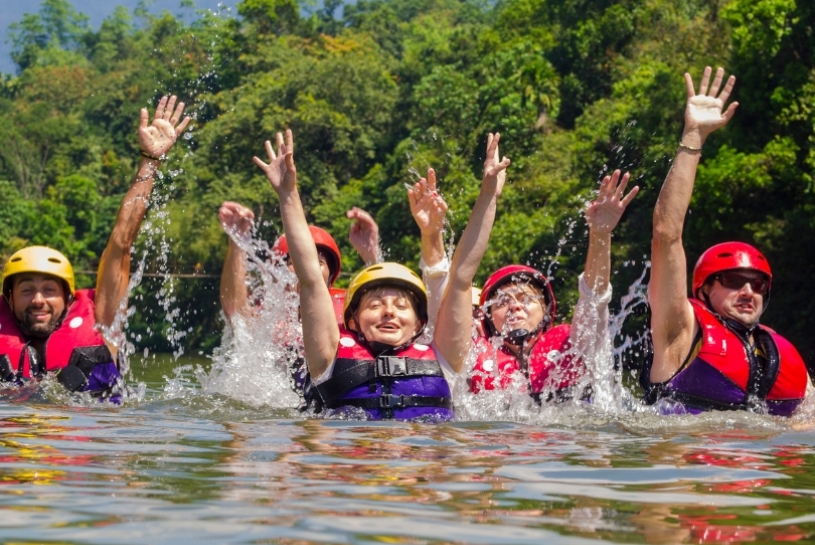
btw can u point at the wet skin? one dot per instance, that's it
(743, 304)
(386, 316)
(323, 267)
(38, 301)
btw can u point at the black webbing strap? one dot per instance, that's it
(349, 373)
(390, 402)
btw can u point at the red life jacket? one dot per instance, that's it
(549, 366)
(75, 342)
(406, 383)
(724, 374)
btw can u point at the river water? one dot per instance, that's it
(184, 466)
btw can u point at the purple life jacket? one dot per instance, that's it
(405, 383)
(75, 351)
(726, 374)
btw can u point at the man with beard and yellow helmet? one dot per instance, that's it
(46, 324)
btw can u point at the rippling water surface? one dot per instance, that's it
(182, 466)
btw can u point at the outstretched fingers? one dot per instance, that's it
(728, 88)
(143, 118)
(717, 82)
(259, 162)
(162, 104)
(168, 110)
(270, 151)
(631, 194)
(431, 180)
(705, 80)
(731, 110)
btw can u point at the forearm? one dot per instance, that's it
(432, 247)
(675, 195)
(233, 292)
(114, 266)
(320, 331)
(598, 261)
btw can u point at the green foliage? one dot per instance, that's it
(390, 87)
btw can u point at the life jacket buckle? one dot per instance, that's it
(390, 366)
(390, 401)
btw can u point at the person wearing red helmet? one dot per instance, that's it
(710, 351)
(519, 309)
(236, 221)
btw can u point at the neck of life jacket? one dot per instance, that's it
(386, 382)
(76, 352)
(726, 371)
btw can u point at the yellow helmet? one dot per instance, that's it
(384, 274)
(38, 259)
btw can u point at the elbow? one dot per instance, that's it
(665, 235)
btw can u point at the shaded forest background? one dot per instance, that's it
(576, 87)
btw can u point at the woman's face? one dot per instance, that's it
(386, 315)
(516, 306)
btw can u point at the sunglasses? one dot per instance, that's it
(735, 281)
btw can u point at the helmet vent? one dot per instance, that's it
(726, 254)
(16, 259)
(54, 260)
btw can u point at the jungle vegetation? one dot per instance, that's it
(380, 90)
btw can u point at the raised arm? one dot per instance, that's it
(453, 335)
(364, 236)
(320, 331)
(672, 322)
(602, 216)
(155, 140)
(237, 221)
(429, 210)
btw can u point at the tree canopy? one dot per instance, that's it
(385, 89)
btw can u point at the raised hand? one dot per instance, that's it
(494, 169)
(703, 111)
(236, 218)
(426, 205)
(364, 235)
(157, 138)
(280, 170)
(605, 211)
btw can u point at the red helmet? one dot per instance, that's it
(324, 241)
(727, 256)
(516, 273)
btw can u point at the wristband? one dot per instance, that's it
(153, 157)
(689, 148)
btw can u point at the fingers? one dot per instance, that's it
(728, 114)
(620, 189)
(431, 179)
(160, 108)
(143, 117)
(168, 110)
(260, 163)
(289, 141)
(705, 80)
(290, 162)
(631, 194)
(689, 85)
(270, 151)
(177, 113)
(728, 88)
(492, 146)
(281, 147)
(183, 125)
(717, 82)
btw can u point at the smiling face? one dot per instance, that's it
(516, 306)
(387, 315)
(732, 295)
(38, 301)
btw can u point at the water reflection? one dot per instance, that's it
(204, 468)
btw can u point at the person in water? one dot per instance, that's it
(519, 312)
(710, 351)
(373, 364)
(46, 324)
(237, 221)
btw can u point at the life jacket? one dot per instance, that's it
(548, 366)
(338, 298)
(727, 374)
(404, 384)
(75, 351)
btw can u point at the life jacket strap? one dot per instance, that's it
(391, 402)
(349, 373)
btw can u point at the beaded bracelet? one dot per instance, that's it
(153, 157)
(689, 148)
